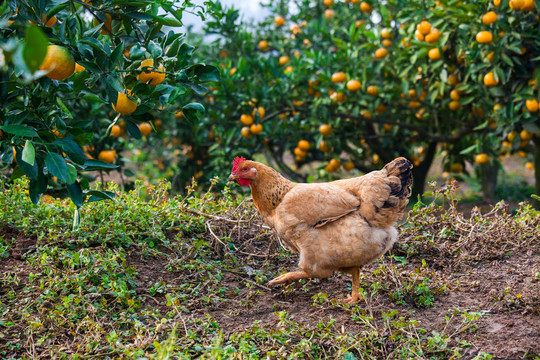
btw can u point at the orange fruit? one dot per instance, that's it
(288, 70)
(232, 71)
(256, 129)
(412, 93)
(434, 54)
(386, 33)
(283, 60)
(107, 156)
(525, 135)
(365, 7)
(489, 79)
(325, 129)
(303, 144)
(328, 13)
(512, 135)
(353, 85)
(145, 128)
(497, 2)
(178, 114)
(245, 132)
(116, 131)
(414, 104)
(299, 152)
(124, 105)
(453, 79)
(433, 36)
(79, 68)
(484, 37)
(107, 26)
(152, 78)
(454, 95)
(246, 119)
(372, 90)
(386, 43)
(381, 53)
(528, 5)
(456, 168)
(516, 4)
(419, 36)
(497, 108)
(454, 105)
(333, 165)
(424, 27)
(349, 165)
(529, 165)
(328, 3)
(338, 77)
(323, 146)
(489, 18)
(279, 21)
(387, 127)
(481, 159)
(490, 57)
(59, 62)
(380, 108)
(263, 45)
(260, 110)
(532, 105)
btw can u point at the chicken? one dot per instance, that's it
(336, 226)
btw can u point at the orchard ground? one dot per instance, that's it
(453, 287)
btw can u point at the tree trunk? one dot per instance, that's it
(537, 171)
(420, 172)
(489, 174)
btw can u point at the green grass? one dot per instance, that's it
(156, 277)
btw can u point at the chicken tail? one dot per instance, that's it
(385, 194)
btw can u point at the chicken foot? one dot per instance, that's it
(355, 295)
(289, 277)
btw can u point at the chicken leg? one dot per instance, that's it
(288, 277)
(355, 295)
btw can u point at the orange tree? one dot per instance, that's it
(80, 79)
(352, 84)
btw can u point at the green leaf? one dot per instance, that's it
(35, 47)
(30, 170)
(96, 195)
(206, 72)
(75, 193)
(71, 174)
(133, 130)
(166, 21)
(91, 165)
(57, 166)
(29, 153)
(64, 108)
(19, 130)
(71, 148)
(469, 150)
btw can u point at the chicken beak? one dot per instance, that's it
(232, 178)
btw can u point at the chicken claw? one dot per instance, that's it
(351, 299)
(289, 277)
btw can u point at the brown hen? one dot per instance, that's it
(335, 226)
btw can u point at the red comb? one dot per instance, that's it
(236, 162)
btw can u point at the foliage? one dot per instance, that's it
(57, 132)
(285, 64)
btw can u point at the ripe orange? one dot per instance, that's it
(245, 132)
(497, 2)
(434, 54)
(412, 93)
(433, 36)
(529, 165)
(386, 43)
(107, 26)
(512, 135)
(303, 144)
(232, 71)
(380, 108)
(381, 53)
(339, 77)
(59, 62)
(372, 90)
(481, 159)
(299, 152)
(279, 21)
(414, 104)
(516, 4)
(107, 156)
(424, 27)
(283, 60)
(454, 95)
(328, 3)
(116, 131)
(152, 78)
(386, 33)
(489, 18)
(288, 70)
(387, 127)
(366, 114)
(528, 5)
(325, 129)
(329, 13)
(333, 165)
(453, 79)
(456, 168)
(263, 45)
(323, 146)
(490, 57)
(256, 129)
(532, 105)
(246, 119)
(484, 37)
(353, 85)
(525, 135)
(365, 7)
(145, 128)
(260, 110)
(454, 105)
(419, 36)
(79, 68)
(349, 165)
(489, 79)
(124, 105)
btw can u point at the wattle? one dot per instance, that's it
(244, 182)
